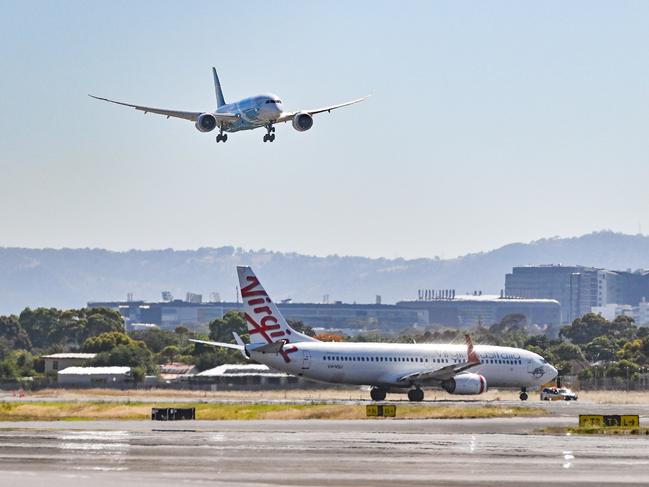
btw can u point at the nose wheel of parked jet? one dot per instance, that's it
(523, 394)
(377, 394)
(416, 395)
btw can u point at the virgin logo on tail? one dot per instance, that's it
(264, 322)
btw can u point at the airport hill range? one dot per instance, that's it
(68, 278)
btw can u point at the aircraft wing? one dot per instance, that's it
(447, 372)
(192, 116)
(219, 344)
(438, 375)
(289, 115)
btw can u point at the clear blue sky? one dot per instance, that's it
(490, 122)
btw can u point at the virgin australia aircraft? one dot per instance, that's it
(247, 114)
(386, 367)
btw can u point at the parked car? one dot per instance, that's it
(557, 394)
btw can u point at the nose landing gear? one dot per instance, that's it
(270, 136)
(523, 394)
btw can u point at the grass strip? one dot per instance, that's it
(99, 410)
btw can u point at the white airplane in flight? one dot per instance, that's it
(386, 367)
(247, 114)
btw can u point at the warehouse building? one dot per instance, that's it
(94, 376)
(59, 361)
(245, 377)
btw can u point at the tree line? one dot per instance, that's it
(590, 346)
(42, 331)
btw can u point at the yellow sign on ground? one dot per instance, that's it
(609, 421)
(381, 410)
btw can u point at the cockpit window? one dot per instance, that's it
(276, 102)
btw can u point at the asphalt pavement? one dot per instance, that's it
(498, 451)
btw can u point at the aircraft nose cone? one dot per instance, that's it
(552, 372)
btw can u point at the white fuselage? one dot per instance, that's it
(383, 364)
(255, 111)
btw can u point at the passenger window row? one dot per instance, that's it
(337, 358)
(500, 361)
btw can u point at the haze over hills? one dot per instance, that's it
(68, 278)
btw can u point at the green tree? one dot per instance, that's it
(585, 329)
(156, 339)
(17, 364)
(102, 320)
(567, 351)
(133, 355)
(633, 351)
(39, 324)
(14, 333)
(106, 342)
(622, 328)
(168, 354)
(299, 326)
(600, 348)
(221, 329)
(623, 368)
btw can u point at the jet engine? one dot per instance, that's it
(465, 384)
(206, 122)
(302, 121)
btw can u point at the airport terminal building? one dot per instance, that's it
(457, 311)
(579, 289)
(467, 311)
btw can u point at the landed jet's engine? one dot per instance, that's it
(206, 122)
(302, 121)
(466, 384)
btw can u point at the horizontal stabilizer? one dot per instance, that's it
(219, 344)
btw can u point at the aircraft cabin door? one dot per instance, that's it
(306, 359)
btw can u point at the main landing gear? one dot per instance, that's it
(378, 394)
(270, 136)
(221, 137)
(523, 394)
(416, 395)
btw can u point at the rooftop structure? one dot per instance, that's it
(465, 311)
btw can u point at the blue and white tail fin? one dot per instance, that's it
(265, 323)
(220, 101)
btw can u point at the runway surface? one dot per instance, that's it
(368, 452)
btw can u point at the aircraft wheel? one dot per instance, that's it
(224, 138)
(218, 138)
(377, 394)
(415, 395)
(266, 138)
(272, 137)
(523, 396)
